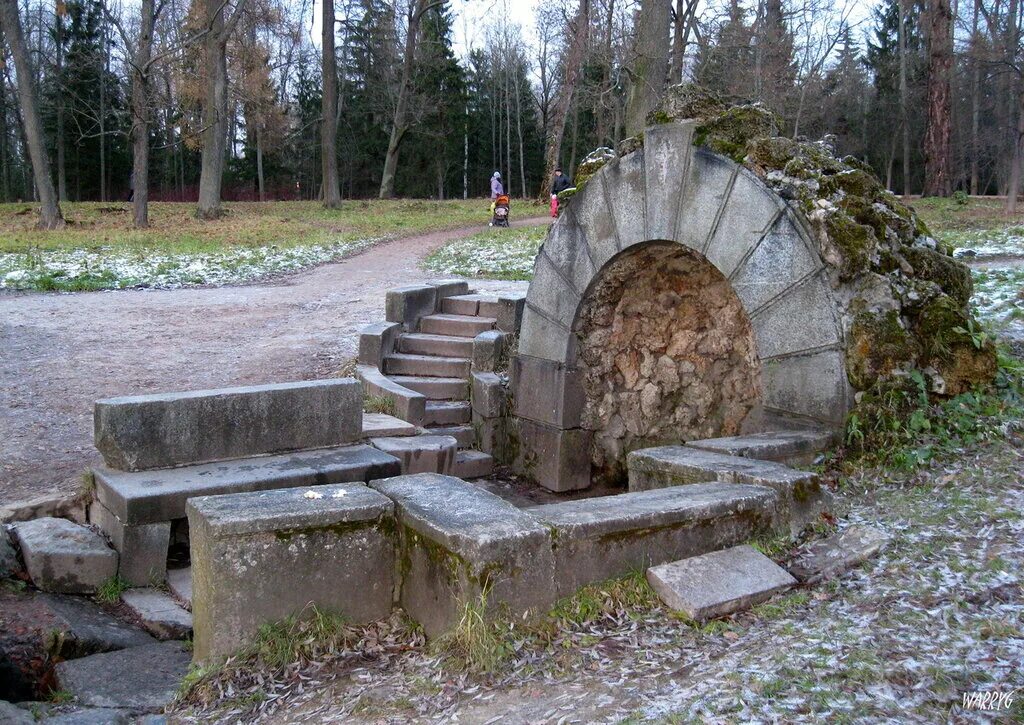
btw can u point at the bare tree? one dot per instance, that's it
(650, 66)
(937, 158)
(50, 216)
(329, 111)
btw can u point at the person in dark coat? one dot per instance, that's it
(558, 184)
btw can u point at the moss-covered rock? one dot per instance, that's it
(879, 346)
(731, 132)
(593, 163)
(952, 277)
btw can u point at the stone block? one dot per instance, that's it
(435, 388)
(427, 365)
(611, 536)
(559, 460)
(782, 258)
(749, 212)
(156, 496)
(447, 412)
(421, 453)
(455, 325)
(812, 304)
(140, 679)
(377, 341)
(595, 219)
(14, 715)
(179, 581)
(64, 557)
(718, 583)
(789, 447)
(801, 497)
(707, 186)
(173, 429)
(261, 557)
(448, 288)
(547, 392)
(376, 425)
(543, 338)
(9, 564)
(551, 293)
(488, 395)
(492, 437)
(812, 386)
(423, 344)
(566, 247)
(507, 311)
(142, 548)
(472, 464)
(459, 542)
(826, 558)
(408, 304)
(409, 405)
(668, 151)
(162, 617)
(624, 177)
(488, 349)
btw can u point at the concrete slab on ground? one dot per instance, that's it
(159, 613)
(829, 557)
(65, 557)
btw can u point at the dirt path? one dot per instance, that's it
(59, 353)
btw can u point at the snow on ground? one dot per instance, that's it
(986, 244)
(106, 268)
(496, 254)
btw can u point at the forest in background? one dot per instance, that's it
(236, 100)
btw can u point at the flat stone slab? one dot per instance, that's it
(159, 613)
(459, 541)
(260, 557)
(140, 679)
(11, 714)
(179, 581)
(90, 629)
(155, 496)
(376, 425)
(65, 557)
(792, 447)
(826, 558)
(142, 432)
(718, 583)
(89, 716)
(610, 536)
(422, 453)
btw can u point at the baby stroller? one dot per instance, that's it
(500, 218)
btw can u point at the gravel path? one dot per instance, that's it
(59, 353)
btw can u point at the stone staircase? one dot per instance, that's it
(428, 357)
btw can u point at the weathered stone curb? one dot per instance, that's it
(65, 557)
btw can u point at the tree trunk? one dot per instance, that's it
(140, 115)
(560, 111)
(400, 124)
(937, 171)
(260, 182)
(647, 81)
(215, 112)
(49, 209)
(1013, 189)
(62, 177)
(329, 111)
(904, 102)
(975, 99)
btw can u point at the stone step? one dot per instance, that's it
(435, 388)
(473, 464)
(421, 454)
(159, 613)
(445, 412)
(456, 325)
(427, 365)
(790, 447)
(179, 581)
(419, 343)
(463, 434)
(376, 425)
(719, 583)
(467, 304)
(65, 557)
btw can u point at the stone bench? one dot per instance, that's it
(801, 497)
(458, 542)
(261, 557)
(789, 447)
(612, 536)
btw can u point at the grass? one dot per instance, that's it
(379, 404)
(111, 590)
(968, 224)
(495, 254)
(174, 227)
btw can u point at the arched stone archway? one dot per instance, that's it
(673, 193)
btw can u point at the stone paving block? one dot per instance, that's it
(790, 447)
(142, 548)
(455, 325)
(159, 613)
(260, 557)
(422, 453)
(551, 293)
(155, 496)
(629, 201)
(781, 259)
(179, 581)
(611, 536)
(64, 557)
(547, 392)
(139, 679)
(408, 304)
(824, 559)
(488, 395)
(801, 497)
(435, 388)
(704, 192)
(380, 424)
(173, 429)
(459, 541)
(567, 249)
(84, 628)
(488, 349)
(405, 364)
(559, 460)
(377, 341)
(491, 436)
(718, 583)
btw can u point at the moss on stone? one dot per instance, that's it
(686, 101)
(952, 277)
(855, 243)
(730, 132)
(879, 345)
(593, 163)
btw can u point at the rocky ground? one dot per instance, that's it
(60, 352)
(938, 614)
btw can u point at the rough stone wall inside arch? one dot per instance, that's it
(666, 353)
